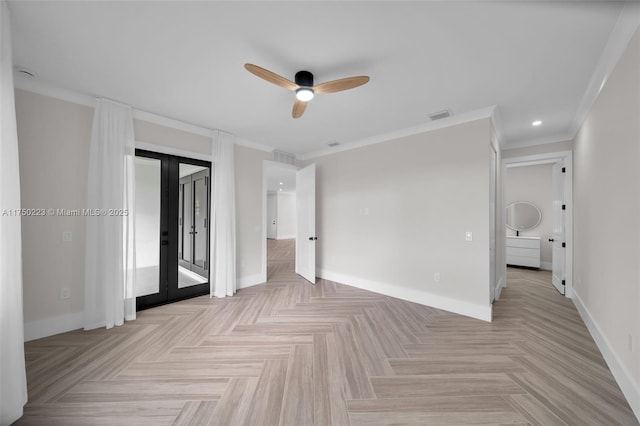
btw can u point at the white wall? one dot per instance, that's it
(533, 184)
(538, 149)
(249, 219)
(607, 221)
(53, 139)
(391, 215)
(287, 220)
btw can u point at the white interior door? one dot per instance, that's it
(272, 214)
(559, 227)
(306, 212)
(492, 221)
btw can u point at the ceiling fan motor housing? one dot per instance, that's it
(304, 79)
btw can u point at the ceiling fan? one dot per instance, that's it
(303, 86)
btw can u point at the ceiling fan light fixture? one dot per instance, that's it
(304, 94)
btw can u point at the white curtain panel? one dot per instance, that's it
(110, 296)
(13, 381)
(223, 213)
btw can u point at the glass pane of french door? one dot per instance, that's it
(193, 226)
(147, 220)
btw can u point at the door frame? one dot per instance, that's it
(266, 166)
(169, 201)
(532, 160)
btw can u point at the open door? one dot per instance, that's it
(559, 224)
(306, 210)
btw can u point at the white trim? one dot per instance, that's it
(53, 325)
(549, 158)
(253, 145)
(249, 281)
(179, 152)
(629, 387)
(563, 137)
(496, 119)
(501, 284)
(409, 131)
(171, 123)
(547, 266)
(40, 87)
(412, 295)
(621, 35)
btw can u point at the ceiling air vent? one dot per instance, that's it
(439, 115)
(284, 157)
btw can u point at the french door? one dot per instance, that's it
(172, 228)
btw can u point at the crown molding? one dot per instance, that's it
(44, 88)
(622, 33)
(408, 131)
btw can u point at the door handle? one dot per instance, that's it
(551, 240)
(164, 242)
(313, 238)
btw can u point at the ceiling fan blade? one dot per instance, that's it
(298, 108)
(340, 85)
(271, 77)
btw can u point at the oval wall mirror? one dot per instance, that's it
(523, 215)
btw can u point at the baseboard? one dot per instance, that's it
(286, 237)
(422, 297)
(623, 376)
(498, 289)
(547, 266)
(250, 281)
(55, 325)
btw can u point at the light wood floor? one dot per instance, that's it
(290, 353)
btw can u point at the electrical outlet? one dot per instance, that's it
(65, 293)
(67, 236)
(436, 277)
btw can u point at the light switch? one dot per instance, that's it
(67, 236)
(468, 236)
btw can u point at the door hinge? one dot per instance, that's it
(564, 207)
(564, 244)
(564, 170)
(564, 282)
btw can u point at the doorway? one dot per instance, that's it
(301, 223)
(559, 215)
(172, 228)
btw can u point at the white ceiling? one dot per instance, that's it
(184, 60)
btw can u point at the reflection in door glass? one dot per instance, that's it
(200, 221)
(193, 225)
(147, 226)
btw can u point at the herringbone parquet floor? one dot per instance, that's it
(289, 353)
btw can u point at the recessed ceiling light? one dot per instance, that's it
(536, 123)
(281, 183)
(280, 189)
